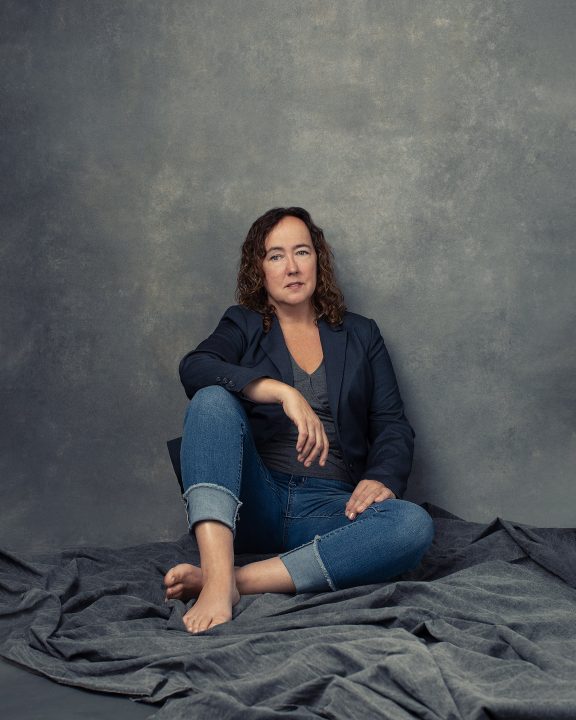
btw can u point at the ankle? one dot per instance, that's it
(240, 578)
(217, 575)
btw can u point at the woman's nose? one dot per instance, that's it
(292, 266)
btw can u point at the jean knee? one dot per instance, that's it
(212, 401)
(418, 528)
(208, 396)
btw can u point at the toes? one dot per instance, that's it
(175, 575)
(204, 624)
(175, 591)
(196, 625)
(195, 629)
(182, 574)
(217, 621)
(170, 578)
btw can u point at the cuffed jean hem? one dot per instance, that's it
(307, 569)
(211, 502)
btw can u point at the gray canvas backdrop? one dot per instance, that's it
(434, 142)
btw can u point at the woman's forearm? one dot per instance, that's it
(312, 443)
(267, 390)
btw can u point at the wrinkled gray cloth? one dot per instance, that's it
(485, 628)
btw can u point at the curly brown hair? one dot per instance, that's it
(327, 301)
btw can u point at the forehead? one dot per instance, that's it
(289, 231)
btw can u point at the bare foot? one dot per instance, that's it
(213, 606)
(183, 582)
(215, 598)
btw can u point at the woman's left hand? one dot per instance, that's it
(366, 493)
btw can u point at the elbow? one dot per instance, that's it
(186, 376)
(182, 366)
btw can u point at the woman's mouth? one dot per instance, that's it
(294, 285)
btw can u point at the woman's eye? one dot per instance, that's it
(303, 252)
(274, 257)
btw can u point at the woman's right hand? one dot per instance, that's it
(312, 442)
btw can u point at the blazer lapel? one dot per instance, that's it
(334, 348)
(274, 346)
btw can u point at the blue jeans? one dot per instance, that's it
(301, 518)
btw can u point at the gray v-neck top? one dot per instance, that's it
(279, 453)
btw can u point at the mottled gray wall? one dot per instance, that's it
(433, 141)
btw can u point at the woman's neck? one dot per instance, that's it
(296, 315)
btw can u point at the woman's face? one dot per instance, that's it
(289, 265)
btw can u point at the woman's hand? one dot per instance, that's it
(312, 442)
(366, 493)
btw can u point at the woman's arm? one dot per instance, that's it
(312, 441)
(391, 437)
(216, 361)
(375, 427)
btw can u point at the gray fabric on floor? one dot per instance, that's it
(484, 629)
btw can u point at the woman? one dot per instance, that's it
(295, 417)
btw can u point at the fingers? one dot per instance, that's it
(306, 440)
(324, 453)
(365, 494)
(312, 442)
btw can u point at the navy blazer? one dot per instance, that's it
(374, 435)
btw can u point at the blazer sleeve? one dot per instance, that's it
(390, 436)
(217, 360)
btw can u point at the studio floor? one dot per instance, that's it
(27, 696)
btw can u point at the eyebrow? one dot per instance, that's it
(279, 247)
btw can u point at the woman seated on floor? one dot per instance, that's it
(295, 440)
